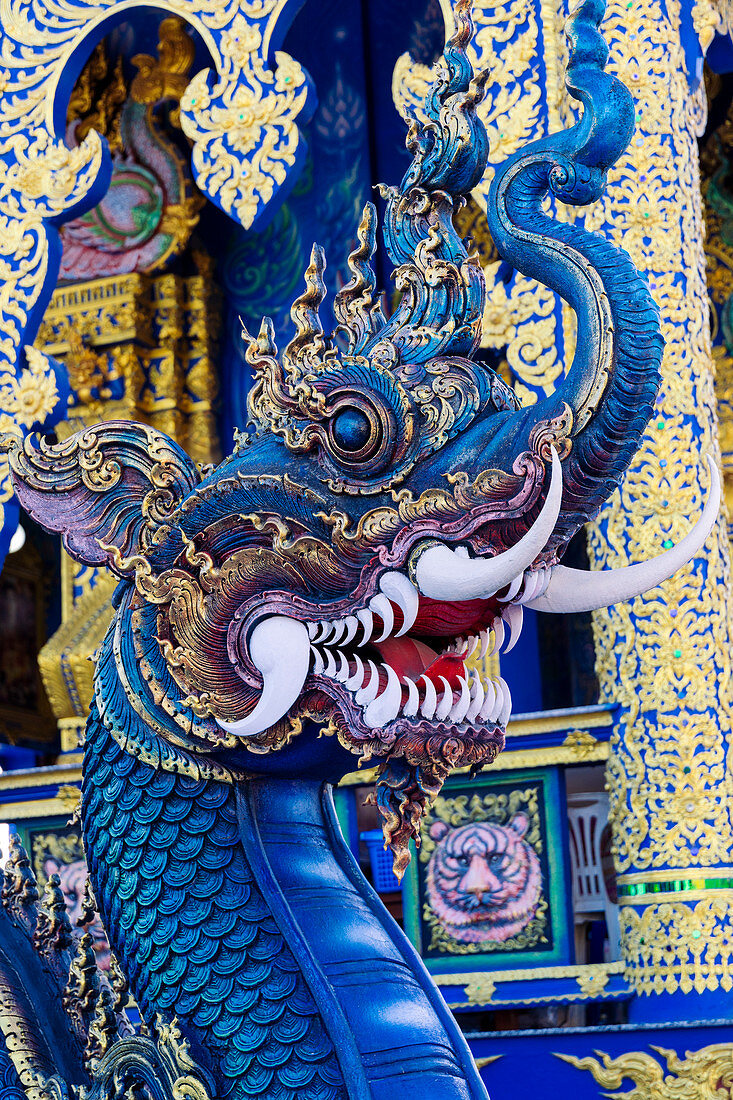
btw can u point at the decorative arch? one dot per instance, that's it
(241, 117)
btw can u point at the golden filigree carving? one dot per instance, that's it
(670, 787)
(244, 127)
(581, 743)
(485, 987)
(697, 1075)
(155, 338)
(674, 945)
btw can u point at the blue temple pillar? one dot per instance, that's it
(666, 658)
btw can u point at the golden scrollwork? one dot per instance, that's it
(670, 786)
(485, 987)
(242, 122)
(696, 1075)
(154, 337)
(581, 743)
(244, 127)
(675, 945)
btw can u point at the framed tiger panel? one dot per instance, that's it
(490, 886)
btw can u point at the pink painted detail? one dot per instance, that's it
(126, 231)
(483, 880)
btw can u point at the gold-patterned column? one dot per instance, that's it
(666, 658)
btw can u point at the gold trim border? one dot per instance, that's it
(669, 874)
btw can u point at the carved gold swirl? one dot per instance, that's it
(249, 114)
(482, 987)
(242, 123)
(696, 1075)
(670, 784)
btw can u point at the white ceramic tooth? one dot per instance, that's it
(514, 615)
(313, 629)
(442, 574)
(459, 645)
(280, 650)
(354, 682)
(342, 673)
(330, 669)
(512, 589)
(400, 590)
(412, 705)
(587, 590)
(477, 698)
(472, 643)
(369, 691)
(506, 709)
(317, 660)
(545, 575)
(498, 628)
(532, 581)
(339, 629)
(500, 699)
(323, 628)
(385, 707)
(445, 703)
(489, 701)
(381, 606)
(430, 701)
(485, 643)
(366, 619)
(352, 625)
(459, 710)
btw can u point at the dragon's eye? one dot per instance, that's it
(352, 429)
(359, 429)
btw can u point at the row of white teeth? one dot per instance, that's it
(398, 589)
(476, 699)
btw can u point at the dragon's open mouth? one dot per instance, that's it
(408, 657)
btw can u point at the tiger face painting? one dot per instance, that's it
(483, 879)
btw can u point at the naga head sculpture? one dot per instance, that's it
(393, 508)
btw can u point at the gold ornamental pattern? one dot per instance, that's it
(514, 42)
(664, 1075)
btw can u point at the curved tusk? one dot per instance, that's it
(280, 650)
(444, 574)
(589, 590)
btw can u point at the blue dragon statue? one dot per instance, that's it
(312, 601)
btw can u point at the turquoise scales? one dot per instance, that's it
(312, 600)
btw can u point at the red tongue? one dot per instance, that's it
(449, 619)
(409, 657)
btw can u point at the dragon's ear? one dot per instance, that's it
(106, 489)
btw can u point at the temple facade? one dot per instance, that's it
(165, 173)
